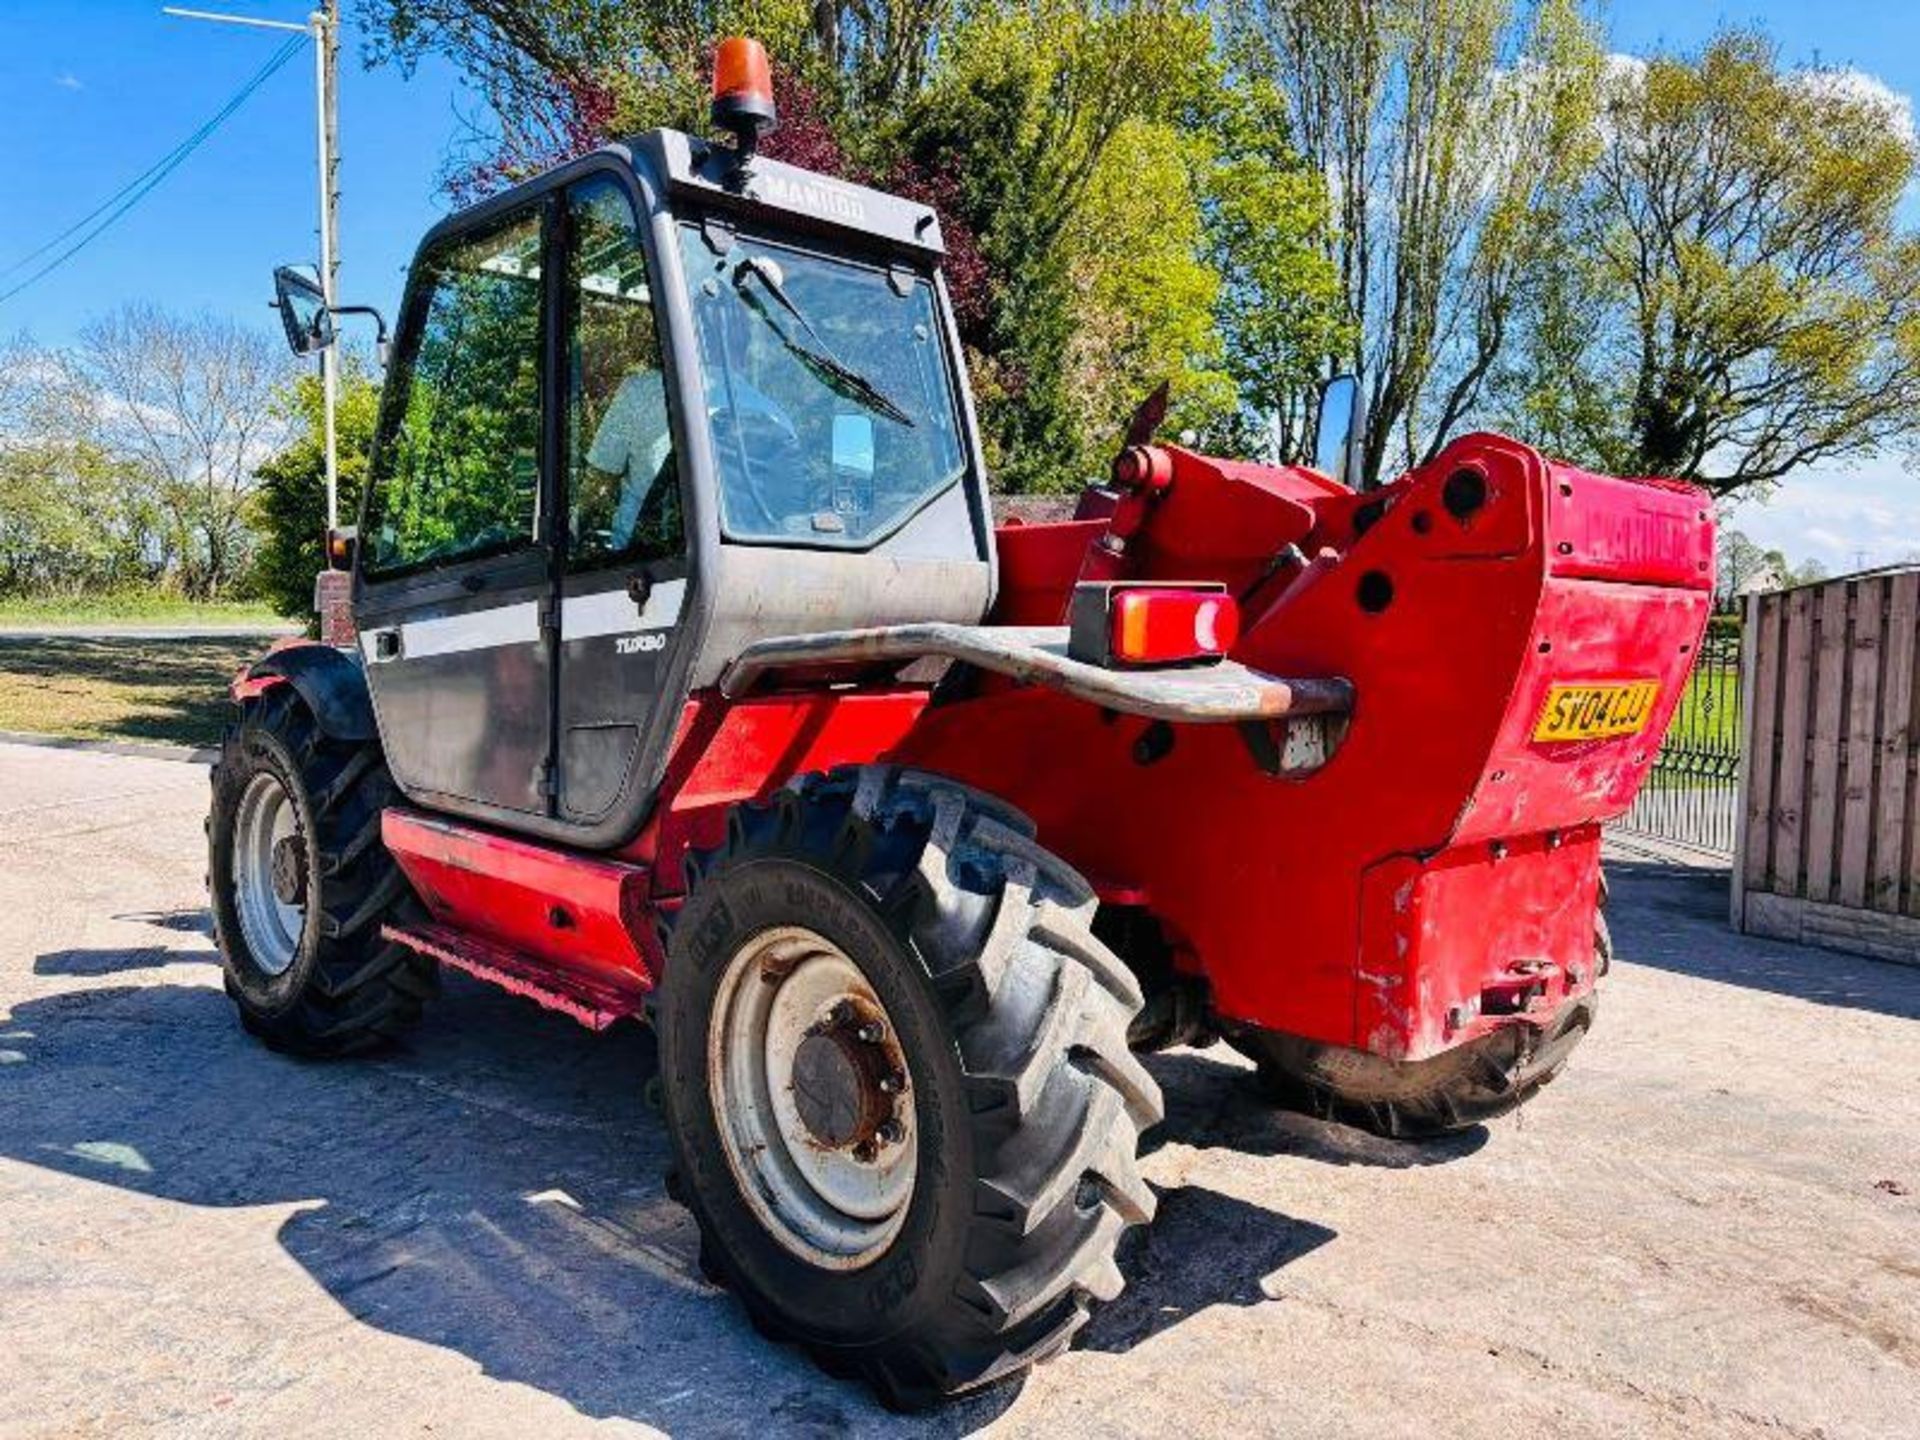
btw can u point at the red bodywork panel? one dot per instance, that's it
(1434, 878)
(726, 752)
(576, 919)
(1285, 892)
(576, 931)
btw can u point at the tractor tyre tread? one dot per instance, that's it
(1425, 1100)
(1038, 1010)
(355, 990)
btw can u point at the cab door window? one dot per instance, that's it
(622, 477)
(459, 474)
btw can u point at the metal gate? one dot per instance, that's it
(1693, 794)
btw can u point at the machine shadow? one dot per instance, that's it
(1674, 917)
(1215, 1103)
(496, 1188)
(1203, 1249)
(93, 963)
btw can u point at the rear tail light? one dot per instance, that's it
(1158, 627)
(1124, 625)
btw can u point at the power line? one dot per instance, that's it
(142, 185)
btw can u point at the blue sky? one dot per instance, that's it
(1842, 516)
(93, 91)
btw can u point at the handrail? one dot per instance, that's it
(1224, 692)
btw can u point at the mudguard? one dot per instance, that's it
(331, 682)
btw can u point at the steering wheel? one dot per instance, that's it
(763, 464)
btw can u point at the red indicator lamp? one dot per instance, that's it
(1124, 626)
(743, 91)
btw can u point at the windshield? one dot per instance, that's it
(828, 391)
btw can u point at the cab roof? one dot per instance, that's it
(698, 168)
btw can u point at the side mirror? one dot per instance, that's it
(303, 310)
(1338, 428)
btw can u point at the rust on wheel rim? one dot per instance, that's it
(813, 1098)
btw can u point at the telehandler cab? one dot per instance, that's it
(692, 681)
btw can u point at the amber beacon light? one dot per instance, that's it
(743, 91)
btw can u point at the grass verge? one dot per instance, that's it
(171, 692)
(131, 609)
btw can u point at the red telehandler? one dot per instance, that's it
(690, 680)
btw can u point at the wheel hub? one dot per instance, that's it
(810, 1088)
(845, 1079)
(289, 868)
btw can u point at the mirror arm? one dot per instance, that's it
(379, 320)
(381, 344)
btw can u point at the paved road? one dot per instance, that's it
(1700, 1230)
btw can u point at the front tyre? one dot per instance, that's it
(300, 883)
(898, 1084)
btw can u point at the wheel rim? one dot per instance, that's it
(813, 1098)
(270, 874)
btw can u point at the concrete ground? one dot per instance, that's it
(1710, 1225)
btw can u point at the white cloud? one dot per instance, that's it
(1858, 85)
(1620, 66)
(1840, 81)
(67, 80)
(1842, 516)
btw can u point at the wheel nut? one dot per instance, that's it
(893, 1084)
(843, 1013)
(865, 1151)
(871, 1033)
(891, 1132)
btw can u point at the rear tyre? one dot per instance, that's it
(898, 1084)
(300, 884)
(1421, 1099)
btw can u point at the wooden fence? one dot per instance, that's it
(1828, 849)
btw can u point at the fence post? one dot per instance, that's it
(1737, 881)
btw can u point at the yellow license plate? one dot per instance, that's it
(1594, 712)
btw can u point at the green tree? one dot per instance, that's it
(65, 526)
(289, 510)
(1451, 133)
(1743, 564)
(1739, 299)
(1146, 294)
(1076, 149)
(1060, 120)
(1268, 234)
(74, 519)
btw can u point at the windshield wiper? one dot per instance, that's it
(820, 354)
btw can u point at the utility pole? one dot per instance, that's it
(326, 58)
(323, 26)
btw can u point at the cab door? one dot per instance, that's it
(624, 567)
(454, 601)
